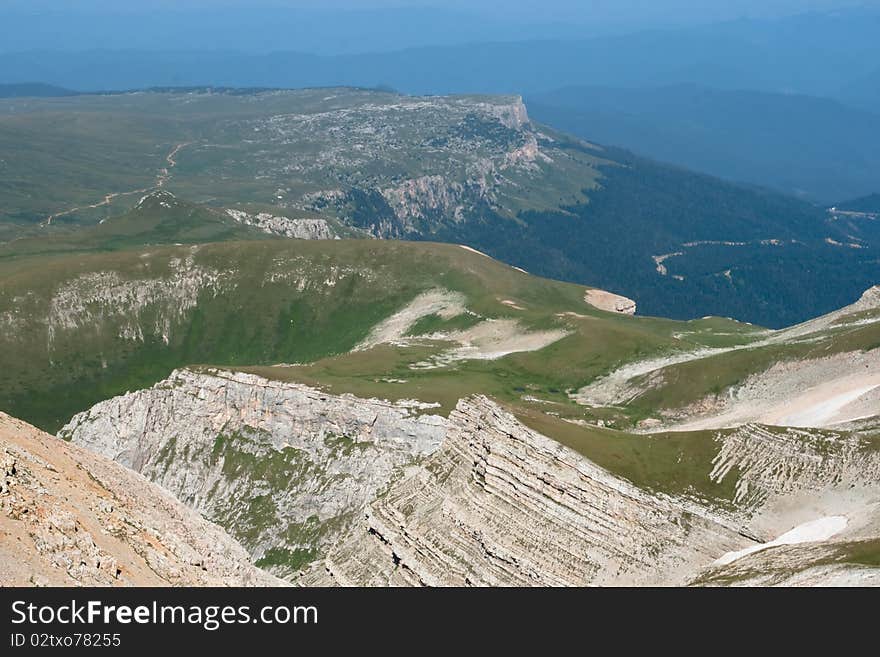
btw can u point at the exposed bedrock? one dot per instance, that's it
(283, 467)
(500, 504)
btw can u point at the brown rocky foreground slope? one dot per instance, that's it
(71, 517)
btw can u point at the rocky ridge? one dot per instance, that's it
(500, 504)
(283, 467)
(345, 491)
(772, 461)
(297, 228)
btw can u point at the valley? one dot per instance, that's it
(348, 337)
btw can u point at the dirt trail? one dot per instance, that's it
(165, 173)
(162, 178)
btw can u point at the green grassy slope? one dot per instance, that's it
(458, 169)
(79, 328)
(158, 218)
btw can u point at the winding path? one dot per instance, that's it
(162, 178)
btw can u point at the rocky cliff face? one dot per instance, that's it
(339, 490)
(283, 467)
(70, 517)
(769, 462)
(144, 307)
(298, 228)
(500, 504)
(444, 162)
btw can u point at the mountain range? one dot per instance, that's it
(466, 169)
(351, 337)
(775, 55)
(814, 148)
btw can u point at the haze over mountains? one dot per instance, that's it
(816, 148)
(786, 101)
(333, 27)
(503, 302)
(817, 54)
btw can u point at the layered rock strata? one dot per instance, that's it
(500, 504)
(282, 466)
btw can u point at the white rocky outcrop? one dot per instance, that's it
(302, 228)
(816, 392)
(771, 462)
(282, 466)
(512, 114)
(610, 302)
(100, 299)
(433, 195)
(500, 504)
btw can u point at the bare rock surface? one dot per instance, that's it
(500, 504)
(608, 301)
(771, 462)
(336, 490)
(303, 228)
(284, 467)
(816, 392)
(71, 517)
(808, 392)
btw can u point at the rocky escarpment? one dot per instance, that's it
(500, 504)
(770, 462)
(71, 517)
(148, 306)
(298, 228)
(283, 467)
(444, 162)
(813, 498)
(340, 490)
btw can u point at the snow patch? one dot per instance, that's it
(467, 248)
(813, 531)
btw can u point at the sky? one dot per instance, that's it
(582, 10)
(350, 26)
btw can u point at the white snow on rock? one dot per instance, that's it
(813, 531)
(467, 248)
